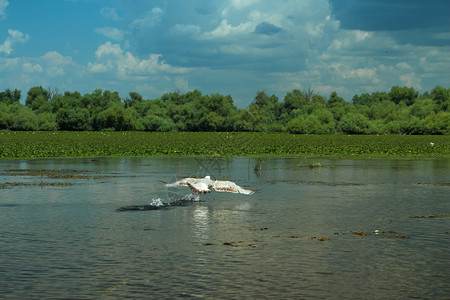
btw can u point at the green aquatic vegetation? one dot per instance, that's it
(29, 145)
(46, 175)
(40, 184)
(53, 174)
(431, 217)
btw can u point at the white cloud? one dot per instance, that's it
(111, 57)
(241, 4)
(216, 46)
(343, 71)
(29, 67)
(55, 64)
(3, 5)
(224, 30)
(315, 30)
(184, 30)
(107, 49)
(182, 84)
(150, 20)
(111, 32)
(350, 40)
(404, 66)
(15, 36)
(9, 64)
(109, 13)
(50, 69)
(99, 67)
(55, 58)
(411, 80)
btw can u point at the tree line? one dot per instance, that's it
(402, 110)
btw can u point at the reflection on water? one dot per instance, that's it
(319, 228)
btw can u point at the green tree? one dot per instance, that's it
(441, 96)
(10, 97)
(100, 100)
(295, 100)
(265, 111)
(320, 121)
(405, 94)
(372, 99)
(381, 110)
(363, 99)
(131, 120)
(25, 119)
(338, 106)
(305, 125)
(422, 108)
(326, 119)
(111, 118)
(335, 100)
(212, 121)
(36, 97)
(134, 99)
(252, 119)
(47, 121)
(17, 117)
(216, 112)
(176, 98)
(437, 123)
(6, 116)
(354, 123)
(74, 119)
(157, 123)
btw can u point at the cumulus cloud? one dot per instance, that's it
(109, 13)
(51, 63)
(241, 46)
(15, 36)
(360, 74)
(266, 28)
(411, 80)
(111, 57)
(3, 5)
(150, 20)
(50, 69)
(9, 64)
(241, 4)
(111, 32)
(407, 21)
(29, 67)
(234, 34)
(224, 29)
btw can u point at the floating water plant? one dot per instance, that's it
(99, 144)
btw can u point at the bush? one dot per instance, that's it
(307, 125)
(354, 123)
(74, 118)
(157, 123)
(47, 122)
(437, 123)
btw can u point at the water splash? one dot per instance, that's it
(158, 203)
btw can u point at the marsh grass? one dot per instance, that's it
(29, 145)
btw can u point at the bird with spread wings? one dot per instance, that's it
(203, 185)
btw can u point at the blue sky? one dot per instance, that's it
(235, 47)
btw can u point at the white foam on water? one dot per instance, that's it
(156, 202)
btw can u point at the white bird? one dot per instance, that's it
(202, 186)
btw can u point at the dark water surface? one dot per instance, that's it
(309, 232)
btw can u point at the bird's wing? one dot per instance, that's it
(199, 187)
(228, 186)
(182, 182)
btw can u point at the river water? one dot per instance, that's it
(316, 228)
